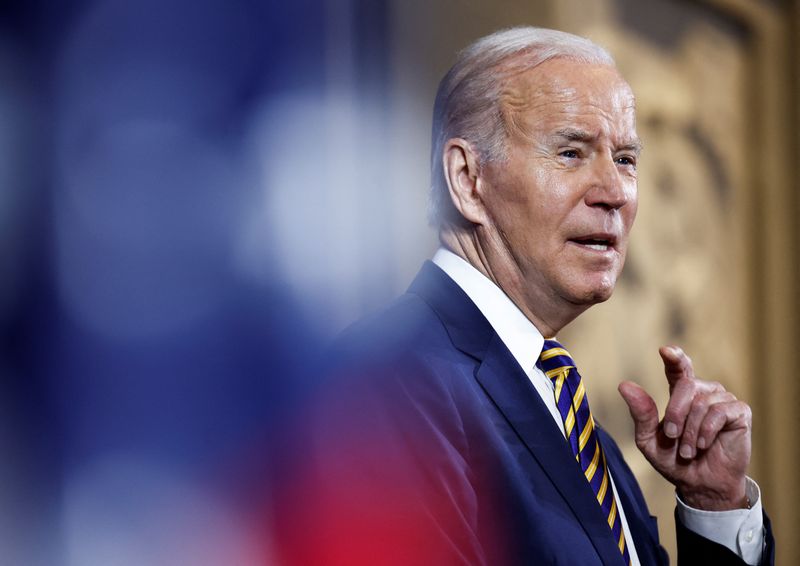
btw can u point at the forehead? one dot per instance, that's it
(563, 92)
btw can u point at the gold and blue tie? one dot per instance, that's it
(573, 406)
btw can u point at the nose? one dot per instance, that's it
(609, 187)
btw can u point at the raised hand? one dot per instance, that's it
(702, 445)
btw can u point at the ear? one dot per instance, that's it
(464, 181)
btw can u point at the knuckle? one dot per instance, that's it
(711, 386)
(716, 410)
(708, 429)
(701, 403)
(698, 388)
(717, 414)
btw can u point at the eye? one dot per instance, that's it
(626, 160)
(569, 153)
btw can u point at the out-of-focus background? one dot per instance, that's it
(195, 195)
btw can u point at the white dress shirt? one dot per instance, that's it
(740, 530)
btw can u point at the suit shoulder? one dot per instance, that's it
(405, 353)
(406, 327)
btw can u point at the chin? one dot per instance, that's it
(601, 296)
(595, 294)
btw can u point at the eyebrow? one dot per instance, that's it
(576, 135)
(572, 134)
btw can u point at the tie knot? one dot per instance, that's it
(554, 359)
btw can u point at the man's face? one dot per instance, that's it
(561, 205)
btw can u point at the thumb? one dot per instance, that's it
(643, 411)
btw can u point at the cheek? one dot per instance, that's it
(524, 209)
(554, 187)
(629, 216)
(551, 198)
(629, 211)
(633, 199)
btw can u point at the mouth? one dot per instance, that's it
(596, 242)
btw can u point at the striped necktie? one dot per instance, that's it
(573, 405)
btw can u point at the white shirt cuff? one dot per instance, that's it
(739, 530)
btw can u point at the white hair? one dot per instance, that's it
(468, 101)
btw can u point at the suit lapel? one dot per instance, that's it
(509, 388)
(645, 537)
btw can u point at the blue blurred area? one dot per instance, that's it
(147, 354)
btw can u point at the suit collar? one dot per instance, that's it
(467, 327)
(506, 384)
(517, 332)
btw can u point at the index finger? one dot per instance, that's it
(677, 365)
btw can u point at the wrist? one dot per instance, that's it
(716, 499)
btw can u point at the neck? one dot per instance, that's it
(548, 314)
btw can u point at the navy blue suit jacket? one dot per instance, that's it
(430, 446)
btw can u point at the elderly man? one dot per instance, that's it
(456, 429)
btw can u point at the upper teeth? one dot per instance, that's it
(599, 247)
